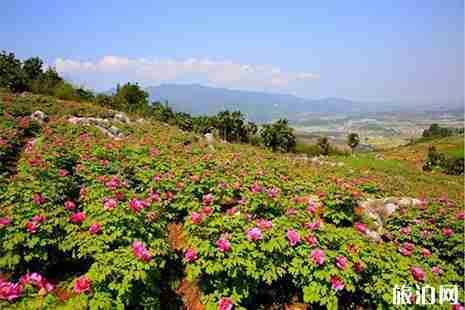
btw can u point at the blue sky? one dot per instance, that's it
(410, 51)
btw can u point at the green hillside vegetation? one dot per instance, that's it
(87, 221)
(161, 217)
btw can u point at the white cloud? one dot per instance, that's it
(109, 70)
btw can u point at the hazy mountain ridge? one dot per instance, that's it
(257, 106)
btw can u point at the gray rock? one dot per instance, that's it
(39, 116)
(121, 117)
(210, 139)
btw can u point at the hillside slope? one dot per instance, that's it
(158, 218)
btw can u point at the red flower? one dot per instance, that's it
(62, 172)
(358, 267)
(95, 228)
(190, 255)
(196, 217)
(225, 304)
(136, 205)
(38, 199)
(264, 224)
(254, 234)
(139, 251)
(32, 227)
(109, 203)
(69, 205)
(223, 245)
(425, 252)
(4, 221)
(207, 210)
(10, 291)
(311, 240)
(447, 232)
(341, 262)
(82, 284)
(318, 256)
(207, 200)
(437, 270)
(418, 273)
(293, 237)
(337, 283)
(77, 217)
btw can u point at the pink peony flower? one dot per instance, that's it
(264, 224)
(293, 237)
(196, 217)
(10, 291)
(120, 196)
(190, 255)
(232, 211)
(69, 205)
(95, 228)
(223, 245)
(291, 211)
(139, 250)
(38, 199)
(341, 262)
(405, 252)
(4, 221)
(256, 188)
(32, 227)
(425, 252)
(82, 284)
(437, 270)
(460, 215)
(207, 210)
(311, 240)
(109, 203)
(38, 218)
(409, 246)
(254, 234)
(425, 233)
(358, 267)
(169, 196)
(318, 256)
(113, 183)
(78, 217)
(208, 200)
(154, 197)
(418, 273)
(136, 205)
(311, 208)
(313, 226)
(337, 283)
(38, 280)
(273, 192)
(157, 178)
(225, 304)
(447, 232)
(406, 230)
(458, 307)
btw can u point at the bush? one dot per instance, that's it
(278, 136)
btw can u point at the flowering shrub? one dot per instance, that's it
(83, 224)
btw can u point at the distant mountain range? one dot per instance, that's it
(257, 106)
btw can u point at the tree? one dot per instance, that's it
(353, 140)
(12, 75)
(47, 82)
(323, 144)
(278, 136)
(130, 97)
(33, 69)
